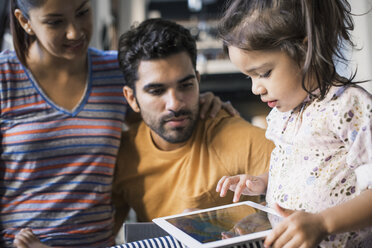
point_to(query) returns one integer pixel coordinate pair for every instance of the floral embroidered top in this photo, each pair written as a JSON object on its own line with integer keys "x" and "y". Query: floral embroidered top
{"x": 323, "y": 155}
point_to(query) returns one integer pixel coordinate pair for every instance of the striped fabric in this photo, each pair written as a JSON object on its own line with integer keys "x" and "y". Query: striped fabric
{"x": 170, "y": 242}
{"x": 161, "y": 242}
{"x": 57, "y": 165}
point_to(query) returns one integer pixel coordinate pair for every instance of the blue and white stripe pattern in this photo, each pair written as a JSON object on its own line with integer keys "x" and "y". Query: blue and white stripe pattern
{"x": 170, "y": 242}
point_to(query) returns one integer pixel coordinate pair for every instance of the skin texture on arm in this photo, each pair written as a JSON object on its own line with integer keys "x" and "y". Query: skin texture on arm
{"x": 301, "y": 229}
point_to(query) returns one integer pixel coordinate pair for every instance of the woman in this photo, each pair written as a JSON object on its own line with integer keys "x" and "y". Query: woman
{"x": 62, "y": 112}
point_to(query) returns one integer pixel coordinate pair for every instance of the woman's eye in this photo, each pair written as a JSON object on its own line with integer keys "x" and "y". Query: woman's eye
{"x": 54, "y": 22}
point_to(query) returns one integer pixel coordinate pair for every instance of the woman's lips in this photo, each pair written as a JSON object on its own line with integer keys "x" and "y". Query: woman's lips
{"x": 75, "y": 45}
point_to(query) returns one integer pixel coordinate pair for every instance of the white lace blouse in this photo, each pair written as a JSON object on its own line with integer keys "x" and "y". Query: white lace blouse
{"x": 323, "y": 155}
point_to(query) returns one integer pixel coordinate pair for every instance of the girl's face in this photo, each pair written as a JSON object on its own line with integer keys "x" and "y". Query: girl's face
{"x": 275, "y": 76}
{"x": 63, "y": 28}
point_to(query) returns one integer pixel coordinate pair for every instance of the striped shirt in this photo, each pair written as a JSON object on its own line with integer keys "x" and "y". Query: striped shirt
{"x": 57, "y": 165}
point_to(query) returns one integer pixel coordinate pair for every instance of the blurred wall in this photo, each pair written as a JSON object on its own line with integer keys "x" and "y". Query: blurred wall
{"x": 363, "y": 38}
{"x": 130, "y": 11}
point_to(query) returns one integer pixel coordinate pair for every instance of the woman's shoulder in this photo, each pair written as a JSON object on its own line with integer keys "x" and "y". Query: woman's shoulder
{"x": 8, "y": 56}
{"x": 103, "y": 60}
{"x": 96, "y": 53}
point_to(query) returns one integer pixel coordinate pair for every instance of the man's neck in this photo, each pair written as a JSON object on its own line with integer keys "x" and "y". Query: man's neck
{"x": 164, "y": 145}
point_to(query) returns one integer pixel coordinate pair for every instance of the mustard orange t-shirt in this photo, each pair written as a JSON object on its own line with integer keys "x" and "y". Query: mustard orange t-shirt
{"x": 158, "y": 183}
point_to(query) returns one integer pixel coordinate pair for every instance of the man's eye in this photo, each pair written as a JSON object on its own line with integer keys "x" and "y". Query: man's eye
{"x": 156, "y": 91}
{"x": 187, "y": 85}
{"x": 266, "y": 74}
{"x": 83, "y": 12}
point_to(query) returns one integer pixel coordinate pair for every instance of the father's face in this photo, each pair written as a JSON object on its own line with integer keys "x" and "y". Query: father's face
{"x": 167, "y": 96}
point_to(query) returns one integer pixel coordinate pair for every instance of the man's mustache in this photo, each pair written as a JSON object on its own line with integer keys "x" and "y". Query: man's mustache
{"x": 175, "y": 114}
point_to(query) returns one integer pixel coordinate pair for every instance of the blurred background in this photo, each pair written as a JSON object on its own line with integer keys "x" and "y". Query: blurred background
{"x": 113, "y": 17}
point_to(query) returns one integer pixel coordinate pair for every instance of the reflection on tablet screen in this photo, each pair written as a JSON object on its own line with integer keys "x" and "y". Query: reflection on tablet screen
{"x": 222, "y": 223}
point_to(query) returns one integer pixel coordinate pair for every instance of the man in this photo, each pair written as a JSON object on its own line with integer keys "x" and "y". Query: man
{"x": 172, "y": 160}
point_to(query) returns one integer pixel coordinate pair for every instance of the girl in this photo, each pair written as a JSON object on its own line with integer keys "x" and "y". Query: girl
{"x": 62, "y": 112}
{"x": 321, "y": 123}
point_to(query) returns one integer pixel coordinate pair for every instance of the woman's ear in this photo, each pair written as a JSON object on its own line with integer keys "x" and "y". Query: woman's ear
{"x": 23, "y": 22}
{"x": 131, "y": 98}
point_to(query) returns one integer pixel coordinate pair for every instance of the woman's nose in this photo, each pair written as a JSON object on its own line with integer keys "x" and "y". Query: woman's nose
{"x": 74, "y": 32}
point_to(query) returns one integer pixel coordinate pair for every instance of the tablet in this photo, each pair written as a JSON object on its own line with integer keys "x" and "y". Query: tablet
{"x": 233, "y": 224}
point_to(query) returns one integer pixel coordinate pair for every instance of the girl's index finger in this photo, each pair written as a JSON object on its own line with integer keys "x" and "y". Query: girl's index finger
{"x": 220, "y": 183}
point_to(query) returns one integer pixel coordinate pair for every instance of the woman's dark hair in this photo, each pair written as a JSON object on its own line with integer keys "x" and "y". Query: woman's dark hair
{"x": 152, "y": 39}
{"x": 21, "y": 40}
{"x": 312, "y": 32}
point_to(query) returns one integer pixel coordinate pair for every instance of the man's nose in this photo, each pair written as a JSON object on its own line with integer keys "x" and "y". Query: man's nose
{"x": 174, "y": 101}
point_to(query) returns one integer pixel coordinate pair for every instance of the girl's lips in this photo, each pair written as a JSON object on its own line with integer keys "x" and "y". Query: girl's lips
{"x": 272, "y": 104}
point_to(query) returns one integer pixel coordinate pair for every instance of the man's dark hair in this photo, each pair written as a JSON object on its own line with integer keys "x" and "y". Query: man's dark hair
{"x": 152, "y": 39}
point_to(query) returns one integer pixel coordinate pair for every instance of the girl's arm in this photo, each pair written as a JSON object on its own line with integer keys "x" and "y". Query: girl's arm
{"x": 352, "y": 215}
{"x": 302, "y": 229}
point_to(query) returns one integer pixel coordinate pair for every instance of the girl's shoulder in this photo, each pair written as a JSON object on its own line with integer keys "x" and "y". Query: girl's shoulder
{"x": 346, "y": 95}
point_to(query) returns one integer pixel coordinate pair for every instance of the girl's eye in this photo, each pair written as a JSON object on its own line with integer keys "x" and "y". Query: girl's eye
{"x": 266, "y": 74}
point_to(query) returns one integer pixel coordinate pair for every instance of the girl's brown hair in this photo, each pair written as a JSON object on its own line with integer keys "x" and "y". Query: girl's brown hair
{"x": 312, "y": 32}
{"x": 22, "y": 40}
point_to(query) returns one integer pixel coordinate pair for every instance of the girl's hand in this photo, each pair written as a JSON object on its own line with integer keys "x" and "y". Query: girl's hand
{"x": 241, "y": 184}
{"x": 213, "y": 104}
{"x": 298, "y": 229}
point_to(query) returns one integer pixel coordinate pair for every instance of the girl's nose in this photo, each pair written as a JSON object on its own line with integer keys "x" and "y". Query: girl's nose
{"x": 258, "y": 88}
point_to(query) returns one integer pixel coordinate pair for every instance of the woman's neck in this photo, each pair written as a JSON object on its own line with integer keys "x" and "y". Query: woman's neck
{"x": 39, "y": 60}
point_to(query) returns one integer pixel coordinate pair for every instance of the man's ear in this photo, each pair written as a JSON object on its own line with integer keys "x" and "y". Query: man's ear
{"x": 23, "y": 22}
{"x": 198, "y": 76}
{"x": 131, "y": 99}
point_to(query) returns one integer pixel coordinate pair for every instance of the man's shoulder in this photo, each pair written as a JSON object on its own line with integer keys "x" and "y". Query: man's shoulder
{"x": 132, "y": 130}
{"x": 225, "y": 123}
{"x": 233, "y": 131}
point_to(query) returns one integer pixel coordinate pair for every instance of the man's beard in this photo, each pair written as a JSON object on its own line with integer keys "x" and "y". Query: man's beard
{"x": 176, "y": 134}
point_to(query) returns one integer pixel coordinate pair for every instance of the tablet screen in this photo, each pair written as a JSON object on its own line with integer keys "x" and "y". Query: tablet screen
{"x": 222, "y": 223}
